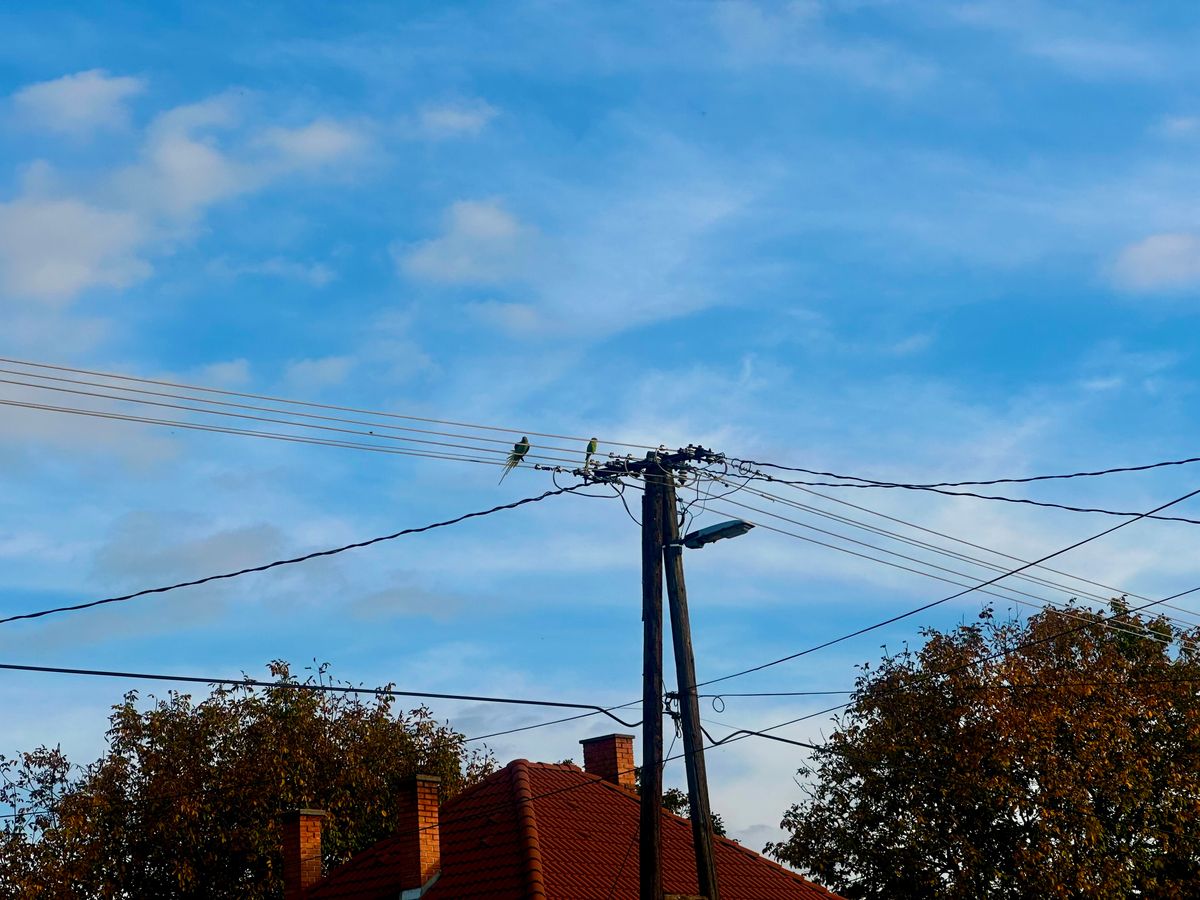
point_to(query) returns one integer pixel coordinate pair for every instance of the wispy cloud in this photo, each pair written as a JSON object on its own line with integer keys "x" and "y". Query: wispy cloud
{"x": 1179, "y": 126}
{"x": 78, "y": 105}
{"x": 482, "y": 243}
{"x": 461, "y": 119}
{"x": 316, "y": 274}
{"x": 1160, "y": 262}
{"x": 52, "y": 249}
{"x": 319, "y": 373}
{"x": 1084, "y": 44}
{"x": 801, "y": 35}
{"x": 55, "y": 244}
{"x": 316, "y": 144}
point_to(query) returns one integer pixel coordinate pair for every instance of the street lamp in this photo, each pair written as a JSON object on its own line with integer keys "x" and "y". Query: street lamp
{"x": 733, "y": 528}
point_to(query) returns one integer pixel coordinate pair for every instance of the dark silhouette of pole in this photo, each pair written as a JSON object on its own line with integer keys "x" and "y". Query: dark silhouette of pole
{"x": 653, "y": 517}
{"x": 689, "y": 706}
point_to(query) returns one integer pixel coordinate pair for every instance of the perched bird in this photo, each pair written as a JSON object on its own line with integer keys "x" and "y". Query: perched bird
{"x": 591, "y": 448}
{"x": 520, "y": 448}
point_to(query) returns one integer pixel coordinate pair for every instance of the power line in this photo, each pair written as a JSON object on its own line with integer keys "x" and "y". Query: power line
{"x": 275, "y": 421}
{"x": 315, "y": 688}
{"x": 312, "y": 405}
{"x": 1009, "y": 597}
{"x": 949, "y": 493}
{"x": 553, "y": 722}
{"x": 966, "y": 543}
{"x": 251, "y": 406}
{"x": 947, "y": 484}
{"x": 268, "y": 435}
{"x": 297, "y": 559}
{"x": 1042, "y": 600}
{"x": 500, "y": 805}
{"x": 877, "y": 548}
{"x": 898, "y": 617}
{"x": 874, "y": 529}
{"x": 1030, "y": 685}
{"x": 1002, "y": 653}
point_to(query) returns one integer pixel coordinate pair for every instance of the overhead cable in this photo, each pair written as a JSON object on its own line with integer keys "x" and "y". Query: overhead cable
{"x": 926, "y": 606}
{"x": 314, "y": 688}
{"x": 1042, "y": 601}
{"x": 947, "y": 484}
{"x": 506, "y": 442}
{"x": 312, "y": 405}
{"x": 863, "y": 483}
{"x": 276, "y": 421}
{"x": 1114, "y": 591}
{"x": 292, "y": 561}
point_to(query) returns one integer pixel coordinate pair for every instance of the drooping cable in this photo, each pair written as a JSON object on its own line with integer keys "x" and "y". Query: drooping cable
{"x": 293, "y": 560}
{"x": 926, "y": 606}
{"x": 314, "y": 688}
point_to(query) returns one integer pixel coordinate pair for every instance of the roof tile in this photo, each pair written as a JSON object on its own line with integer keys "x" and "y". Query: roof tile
{"x": 536, "y": 830}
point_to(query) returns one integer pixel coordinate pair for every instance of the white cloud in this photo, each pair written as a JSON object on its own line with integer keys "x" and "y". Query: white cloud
{"x": 230, "y": 373}
{"x": 317, "y": 373}
{"x": 183, "y": 169}
{"x": 1179, "y": 126}
{"x": 1087, "y": 46}
{"x": 510, "y": 318}
{"x": 795, "y": 35}
{"x": 317, "y": 144}
{"x": 456, "y": 119}
{"x": 1160, "y": 262}
{"x": 51, "y": 250}
{"x": 315, "y": 274}
{"x": 54, "y": 245}
{"x": 607, "y": 260}
{"x": 404, "y": 597}
{"x": 157, "y": 546}
{"x": 42, "y": 333}
{"x": 78, "y": 104}
{"x": 912, "y": 345}
{"x": 482, "y": 244}
{"x": 1092, "y": 57}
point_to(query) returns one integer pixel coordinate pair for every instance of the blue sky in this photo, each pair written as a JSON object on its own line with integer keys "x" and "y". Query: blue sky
{"x": 913, "y": 241}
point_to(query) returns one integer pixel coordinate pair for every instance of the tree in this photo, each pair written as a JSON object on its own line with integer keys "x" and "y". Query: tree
{"x": 188, "y": 800}
{"x": 1054, "y": 758}
{"x": 676, "y": 801}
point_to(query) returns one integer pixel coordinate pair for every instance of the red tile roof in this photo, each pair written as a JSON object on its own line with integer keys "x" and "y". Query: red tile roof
{"x": 553, "y": 832}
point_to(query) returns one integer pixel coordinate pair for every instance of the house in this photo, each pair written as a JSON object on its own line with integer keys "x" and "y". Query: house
{"x": 530, "y": 830}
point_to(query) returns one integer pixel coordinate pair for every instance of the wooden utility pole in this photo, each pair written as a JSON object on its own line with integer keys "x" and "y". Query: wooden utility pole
{"x": 660, "y": 545}
{"x": 653, "y": 518}
{"x": 689, "y": 705}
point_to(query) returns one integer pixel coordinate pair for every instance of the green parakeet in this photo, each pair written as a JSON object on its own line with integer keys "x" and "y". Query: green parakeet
{"x": 591, "y": 448}
{"x": 520, "y": 448}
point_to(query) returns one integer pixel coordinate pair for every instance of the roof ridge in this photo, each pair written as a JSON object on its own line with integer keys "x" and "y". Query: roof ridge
{"x": 529, "y": 842}
{"x": 564, "y": 766}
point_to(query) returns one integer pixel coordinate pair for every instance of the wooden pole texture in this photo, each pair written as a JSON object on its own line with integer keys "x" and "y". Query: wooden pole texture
{"x": 650, "y": 865}
{"x": 689, "y": 706}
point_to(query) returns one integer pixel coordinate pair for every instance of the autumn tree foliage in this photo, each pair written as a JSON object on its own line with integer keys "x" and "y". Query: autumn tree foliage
{"x": 1058, "y": 757}
{"x": 187, "y": 801}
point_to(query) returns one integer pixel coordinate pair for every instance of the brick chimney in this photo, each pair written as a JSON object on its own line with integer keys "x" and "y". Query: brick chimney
{"x": 611, "y": 758}
{"x": 301, "y": 851}
{"x": 417, "y": 833}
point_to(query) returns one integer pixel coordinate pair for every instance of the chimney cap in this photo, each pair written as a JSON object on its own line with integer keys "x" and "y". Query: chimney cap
{"x": 297, "y": 813}
{"x": 605, "y": 737}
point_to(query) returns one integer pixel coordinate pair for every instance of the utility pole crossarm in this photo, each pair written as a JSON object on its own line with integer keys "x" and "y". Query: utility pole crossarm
{"x": 656, "y": 463}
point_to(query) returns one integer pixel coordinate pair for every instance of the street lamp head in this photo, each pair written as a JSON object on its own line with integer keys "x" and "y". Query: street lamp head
{"x": 733, "y": 528}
